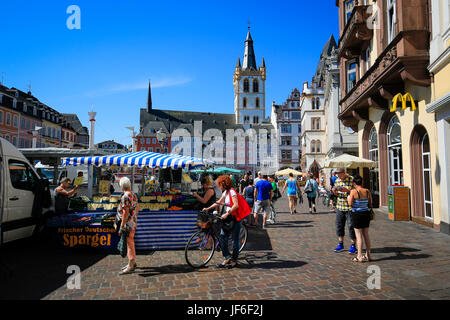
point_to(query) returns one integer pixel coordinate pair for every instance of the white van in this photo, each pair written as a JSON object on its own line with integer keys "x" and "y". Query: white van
{"x": 25, "y": 198}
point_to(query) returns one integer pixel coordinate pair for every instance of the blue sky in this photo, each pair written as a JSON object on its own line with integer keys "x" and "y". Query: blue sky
{"x": 187, "y": 48}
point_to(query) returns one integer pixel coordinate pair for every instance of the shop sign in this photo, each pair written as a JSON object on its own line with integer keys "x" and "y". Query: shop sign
{"x": 93, "y": 237}
{"x": 403, "y": 99}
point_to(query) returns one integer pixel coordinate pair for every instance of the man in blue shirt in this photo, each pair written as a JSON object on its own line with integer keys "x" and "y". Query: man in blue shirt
{"x": 263, "y": 196}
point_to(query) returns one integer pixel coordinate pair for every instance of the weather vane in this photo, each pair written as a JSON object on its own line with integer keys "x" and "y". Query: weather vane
{"x": 248, "y": 22}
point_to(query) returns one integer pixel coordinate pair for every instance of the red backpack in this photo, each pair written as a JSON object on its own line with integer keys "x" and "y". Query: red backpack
{"x": 244, "y": 209}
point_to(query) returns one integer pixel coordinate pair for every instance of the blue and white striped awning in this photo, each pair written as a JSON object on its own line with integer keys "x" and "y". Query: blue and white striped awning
{"x": 140, "y": 159}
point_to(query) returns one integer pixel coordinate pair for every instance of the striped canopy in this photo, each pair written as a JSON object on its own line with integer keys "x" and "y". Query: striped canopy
{"x": 140, "y": 159}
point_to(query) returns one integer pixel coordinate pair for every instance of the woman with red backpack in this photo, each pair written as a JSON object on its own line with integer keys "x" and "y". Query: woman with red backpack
{"x": 232, "y": 216}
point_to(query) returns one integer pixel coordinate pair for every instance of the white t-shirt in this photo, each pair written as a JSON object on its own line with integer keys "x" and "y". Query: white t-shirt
{"x": 227, "y": 199}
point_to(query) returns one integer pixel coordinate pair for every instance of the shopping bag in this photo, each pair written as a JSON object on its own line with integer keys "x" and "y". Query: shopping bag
{"x": 122, "y": 245}
{"x": 243, "y": 210}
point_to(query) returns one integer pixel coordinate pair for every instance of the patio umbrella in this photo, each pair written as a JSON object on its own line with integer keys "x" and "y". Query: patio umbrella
{"x": 349, "y": 161}
{"x": 286, "y": 172}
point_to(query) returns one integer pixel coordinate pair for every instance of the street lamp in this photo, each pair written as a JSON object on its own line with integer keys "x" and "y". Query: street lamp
{"x": 133, "y": 138}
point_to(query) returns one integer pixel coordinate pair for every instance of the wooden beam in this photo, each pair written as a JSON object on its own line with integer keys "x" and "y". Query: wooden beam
{"x": 378, "y": 103}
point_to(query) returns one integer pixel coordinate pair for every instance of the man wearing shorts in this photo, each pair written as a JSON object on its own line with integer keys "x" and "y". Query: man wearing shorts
{"x": 263, "y": 196}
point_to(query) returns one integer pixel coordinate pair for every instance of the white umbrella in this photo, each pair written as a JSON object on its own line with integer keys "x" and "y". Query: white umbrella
{"x": 349, "y": 161}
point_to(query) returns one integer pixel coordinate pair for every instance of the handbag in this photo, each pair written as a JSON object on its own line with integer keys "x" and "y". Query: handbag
{"x": 228, "y": 224}
{"x": 243, "y": 210}
{"x": 372, "y": 214}
{"x": 309, "y": 187}
{"x": 122, "y": 245}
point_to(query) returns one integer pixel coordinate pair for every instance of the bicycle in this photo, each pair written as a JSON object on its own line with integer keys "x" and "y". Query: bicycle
{"x": 201, "y": 246}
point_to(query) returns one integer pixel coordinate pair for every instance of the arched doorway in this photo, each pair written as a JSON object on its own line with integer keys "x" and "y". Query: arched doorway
{"x": 421, "y": 184}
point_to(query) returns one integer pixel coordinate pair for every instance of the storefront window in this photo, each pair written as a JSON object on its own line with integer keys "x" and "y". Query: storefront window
{"x": 395, "y": 152}
{"x": 374, "y": 172}
{"x": 426, "y": 169}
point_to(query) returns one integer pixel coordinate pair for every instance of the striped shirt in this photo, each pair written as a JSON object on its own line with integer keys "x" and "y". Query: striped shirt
{"x": 360, "y": 205}
{"x": 342, "y": 203}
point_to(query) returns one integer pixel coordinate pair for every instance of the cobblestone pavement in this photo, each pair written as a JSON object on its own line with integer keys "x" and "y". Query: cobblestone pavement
{"x": 293, "y": 259}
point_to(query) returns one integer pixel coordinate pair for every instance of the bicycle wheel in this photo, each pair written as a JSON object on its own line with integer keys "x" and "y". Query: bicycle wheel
{"x": 243, "y": 235}
{"x": 200, "y": 249}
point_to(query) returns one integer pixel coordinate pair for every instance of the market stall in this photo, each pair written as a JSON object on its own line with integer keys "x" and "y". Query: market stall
{"x": 167, "y": 210}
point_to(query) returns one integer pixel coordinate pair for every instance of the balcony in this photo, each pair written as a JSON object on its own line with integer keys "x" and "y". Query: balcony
{"x": 405, "y": 59}
{"x": 355, "y": 33}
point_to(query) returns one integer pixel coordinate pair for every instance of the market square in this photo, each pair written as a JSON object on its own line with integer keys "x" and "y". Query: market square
{"x": 259, "y": 154}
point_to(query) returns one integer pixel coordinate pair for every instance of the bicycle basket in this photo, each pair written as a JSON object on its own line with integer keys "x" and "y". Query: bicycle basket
{"x": 203, "y": 220}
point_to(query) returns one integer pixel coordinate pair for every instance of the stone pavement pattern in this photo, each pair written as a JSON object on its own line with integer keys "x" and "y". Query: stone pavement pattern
{"x": 293, "y": 259}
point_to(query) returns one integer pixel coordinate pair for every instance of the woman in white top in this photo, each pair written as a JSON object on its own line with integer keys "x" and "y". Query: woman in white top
{"x": 230, "y": 207}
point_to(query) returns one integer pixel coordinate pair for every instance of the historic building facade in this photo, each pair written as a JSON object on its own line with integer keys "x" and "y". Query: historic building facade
{"x": 385, "y": 88}
{"x": 199, "y": 133}
{"x": 286, "y": 118}
{"x": 21, "y": 113}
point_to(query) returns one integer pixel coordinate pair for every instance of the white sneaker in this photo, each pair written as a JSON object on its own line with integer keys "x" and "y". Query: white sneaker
{"x": 270, "y": 221}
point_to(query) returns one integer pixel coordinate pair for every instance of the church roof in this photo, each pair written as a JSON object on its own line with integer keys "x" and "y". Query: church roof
{"x": 326, "y": 51}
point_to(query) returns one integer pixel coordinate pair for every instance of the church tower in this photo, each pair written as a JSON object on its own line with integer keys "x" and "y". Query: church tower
{"x": 249, "y": 87}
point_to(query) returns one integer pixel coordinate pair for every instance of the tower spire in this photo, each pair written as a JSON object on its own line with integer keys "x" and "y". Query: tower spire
{"x": 149, "y": 97}
{"x": 249, "y": 54}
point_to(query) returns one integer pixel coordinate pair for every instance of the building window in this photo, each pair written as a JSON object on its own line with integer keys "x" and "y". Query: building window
{"x": 348, "y": 10}
{"x": 395, "y": 160}
{"x": 15, "y": 121}
{"x": 255, "y": 119}
{"x": 255, "y": 85}
{"x": 14, "y": 141}
{"x": 367, "y": 57}
{"x": 286, "y": 115}
{"x": 286, "y": 155}
{"x": 426, "y": 169}
{"x": 8, "y": 119}
{"x": 315, "y": 123}
{"x": 22, "y": 124}
{"x": 246, "y": 119}
{"x": 313, "y": 104}
{"x": 1, "y": 117}
{"x": 286, "y": 141}
{"x": 257, "y": 102}
{"x": 246, "y": 85}
{"x": 244, "y": 102}
{"x": 313, "y": 146}
{"x": 34, "y": 111}
{"x": 317, "y": 103}
{"x": 150, "y": 149}
{"x": 25, "y": 107}
{"x": 391, "y": 19}
{"x": 286, "y": 128}
{"x": 295, "y": 115}
{"x": 148, "y": 140}
{"x": 15, "y": 103}
{"x": 351, "y": 75}
{"x": 154, "y": 140}
{"x": 318, "y": 146}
